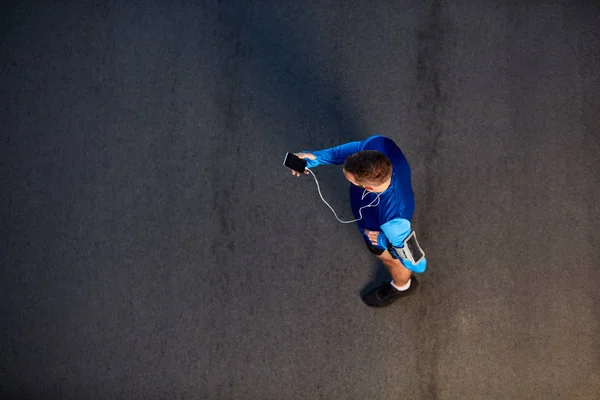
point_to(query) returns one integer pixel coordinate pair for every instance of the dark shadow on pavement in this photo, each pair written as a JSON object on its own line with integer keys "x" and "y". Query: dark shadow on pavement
{"x": 380, "y": 275}
{"x": 302, "y": 73}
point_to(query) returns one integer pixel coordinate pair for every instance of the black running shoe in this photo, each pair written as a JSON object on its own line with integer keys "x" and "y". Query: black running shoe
{"x": 386, "y": 294}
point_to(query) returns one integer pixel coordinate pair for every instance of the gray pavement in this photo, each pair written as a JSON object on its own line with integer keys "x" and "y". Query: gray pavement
{"x": 153, "y": 247}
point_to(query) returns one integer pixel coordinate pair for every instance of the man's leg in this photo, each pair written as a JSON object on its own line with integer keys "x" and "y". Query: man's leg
{"x": 399, "y": 272}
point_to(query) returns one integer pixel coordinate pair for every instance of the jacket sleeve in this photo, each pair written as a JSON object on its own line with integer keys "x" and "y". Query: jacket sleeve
{"x": 394, "y": 233}
{"x": 334, "y": 155}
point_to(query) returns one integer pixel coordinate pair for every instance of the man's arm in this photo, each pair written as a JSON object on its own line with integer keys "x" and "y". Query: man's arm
{"x": 394, "y": 233}
{"x": 335, "y": 155}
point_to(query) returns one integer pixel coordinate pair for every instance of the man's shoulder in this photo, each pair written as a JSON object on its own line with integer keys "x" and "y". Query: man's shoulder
{"x": 382, "y": 144}
{"x": 376, "y": 141}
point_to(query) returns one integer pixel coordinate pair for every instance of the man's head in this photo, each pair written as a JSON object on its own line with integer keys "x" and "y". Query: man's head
{"x": 368, "y": 168}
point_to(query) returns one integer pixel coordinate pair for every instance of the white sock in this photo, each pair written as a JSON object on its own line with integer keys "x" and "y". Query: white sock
{"x": 401, "y": 288}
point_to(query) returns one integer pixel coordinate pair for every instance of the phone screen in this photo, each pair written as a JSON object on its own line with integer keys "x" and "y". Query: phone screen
{"x": 295, "y": 163}
{"x": 415, "y": 249}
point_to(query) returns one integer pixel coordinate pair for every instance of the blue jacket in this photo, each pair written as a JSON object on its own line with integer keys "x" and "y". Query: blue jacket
{"x": 396, "y": 204}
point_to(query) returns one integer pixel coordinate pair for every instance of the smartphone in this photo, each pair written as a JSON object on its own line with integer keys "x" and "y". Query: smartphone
{"x": 295, "y": 163}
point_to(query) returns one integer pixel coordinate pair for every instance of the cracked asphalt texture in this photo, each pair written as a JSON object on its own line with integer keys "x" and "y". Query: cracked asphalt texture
{"x": 153, "y": 246}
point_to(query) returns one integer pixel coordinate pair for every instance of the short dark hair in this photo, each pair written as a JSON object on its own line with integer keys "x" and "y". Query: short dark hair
{"x": 369, "y": 166}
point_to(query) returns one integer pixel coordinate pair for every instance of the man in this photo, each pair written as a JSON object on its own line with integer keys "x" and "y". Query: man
{"x": 377, "y": 167}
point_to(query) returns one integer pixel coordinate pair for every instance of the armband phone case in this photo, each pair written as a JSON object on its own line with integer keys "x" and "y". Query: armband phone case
{"x": 411, "y": 251}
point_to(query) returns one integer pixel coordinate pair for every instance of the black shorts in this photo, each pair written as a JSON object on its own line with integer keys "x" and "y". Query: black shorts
{"x": 375, "y": 250}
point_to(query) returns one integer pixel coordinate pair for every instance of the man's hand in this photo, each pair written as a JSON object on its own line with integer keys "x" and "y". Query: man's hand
{"x": 303, "y": 155}
{"x": 372, "y": 235}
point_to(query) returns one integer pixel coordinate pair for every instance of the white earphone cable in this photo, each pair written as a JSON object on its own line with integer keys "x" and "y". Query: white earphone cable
{"x": 365, "y": 193}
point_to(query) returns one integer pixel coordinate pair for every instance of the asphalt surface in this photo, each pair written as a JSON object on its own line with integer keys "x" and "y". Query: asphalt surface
{"x": 154, "y": 247}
